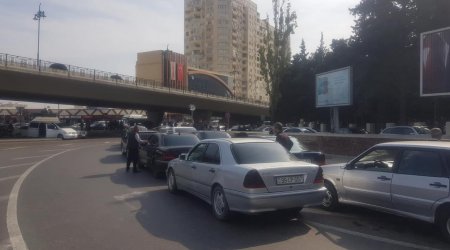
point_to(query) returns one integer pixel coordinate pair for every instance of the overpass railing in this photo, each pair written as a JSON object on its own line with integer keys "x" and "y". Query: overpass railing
{"x": 98, "y": 76}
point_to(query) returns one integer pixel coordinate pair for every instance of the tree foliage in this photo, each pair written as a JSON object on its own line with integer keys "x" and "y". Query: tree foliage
{"x": 384, "y": 54}
{"x": 275, "y": 55}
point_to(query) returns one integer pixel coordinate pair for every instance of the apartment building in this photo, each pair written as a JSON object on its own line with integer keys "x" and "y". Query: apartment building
{"x": 225, "y": 36}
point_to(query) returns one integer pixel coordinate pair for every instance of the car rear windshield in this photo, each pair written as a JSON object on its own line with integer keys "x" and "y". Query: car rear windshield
{"x": 259, "y": 152}
{"x": 214, "y": 135}
{"x": 180, "y": 140}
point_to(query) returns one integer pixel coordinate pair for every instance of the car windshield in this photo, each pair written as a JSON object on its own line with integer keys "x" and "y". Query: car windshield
{"x": 180, "y": 140}
{"x": 259, "y": 152}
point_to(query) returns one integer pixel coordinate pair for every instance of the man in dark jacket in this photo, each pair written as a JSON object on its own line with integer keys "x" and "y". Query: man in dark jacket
{"x": 282, "y": 138}
{"x": 133, "y": 148}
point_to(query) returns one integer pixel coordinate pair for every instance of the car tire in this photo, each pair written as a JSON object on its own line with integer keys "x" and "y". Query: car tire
{"x": 172, "y": 182}
{"x": 330, "y": 202}
{"x": 444, "y": 224}
{"x": 60, "y": 136}
{"x": 219, "y": 204}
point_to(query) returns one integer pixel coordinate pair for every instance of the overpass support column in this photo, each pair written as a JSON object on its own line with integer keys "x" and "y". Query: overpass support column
{"x": 155, "y": 117}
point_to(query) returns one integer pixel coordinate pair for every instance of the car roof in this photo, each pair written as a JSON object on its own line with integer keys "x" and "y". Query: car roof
{"x": 421, "y": 144}
{"x": 240, "y": 140}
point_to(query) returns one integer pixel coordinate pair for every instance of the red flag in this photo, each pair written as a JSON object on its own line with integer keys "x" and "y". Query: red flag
{"x": 180, "y": 72}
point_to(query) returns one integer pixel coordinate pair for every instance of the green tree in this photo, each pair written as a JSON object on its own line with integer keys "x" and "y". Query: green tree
{"x": 275, "y": 55}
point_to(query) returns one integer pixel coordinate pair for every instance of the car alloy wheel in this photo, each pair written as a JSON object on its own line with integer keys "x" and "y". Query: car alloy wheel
{"x": 220, "y": 204}
{"x": 330, "y": 201}
{"x": 171, "y": 182}
{"x": 444, "y": 223}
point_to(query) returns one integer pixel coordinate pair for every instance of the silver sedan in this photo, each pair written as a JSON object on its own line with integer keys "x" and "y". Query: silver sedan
{"x": 246, "y": 175}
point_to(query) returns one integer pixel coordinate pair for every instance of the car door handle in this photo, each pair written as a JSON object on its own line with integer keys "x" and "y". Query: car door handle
{"x": 194, "y": 167}
{"x": 438, "y": 185}
{"x": 383, "y": 178}
{"x": 212, "y": 170}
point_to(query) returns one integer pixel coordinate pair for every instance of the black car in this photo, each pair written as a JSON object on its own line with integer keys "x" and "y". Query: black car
{"x": 162, "y": 148}
{"x": 301, "y": 152}
{"x": 203, "y": 135}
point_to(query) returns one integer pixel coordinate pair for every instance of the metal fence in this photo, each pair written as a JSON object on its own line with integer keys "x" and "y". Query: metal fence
{"x": 58, "y": 69}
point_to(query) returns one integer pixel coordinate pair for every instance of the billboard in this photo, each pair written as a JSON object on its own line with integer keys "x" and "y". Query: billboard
{"x": 435, "y": 62}
{"x": 334, "y": 88}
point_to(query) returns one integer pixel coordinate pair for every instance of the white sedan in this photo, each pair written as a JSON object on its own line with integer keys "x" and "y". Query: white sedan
{"x": 246, "y": 175}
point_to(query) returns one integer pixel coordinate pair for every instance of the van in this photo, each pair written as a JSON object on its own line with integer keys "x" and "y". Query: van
{"x": 47, "y": 127}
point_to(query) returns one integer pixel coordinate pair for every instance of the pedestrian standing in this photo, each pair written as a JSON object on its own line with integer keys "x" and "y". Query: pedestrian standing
{"x": 133, "y": 148}
{"x": 282, "y": 138}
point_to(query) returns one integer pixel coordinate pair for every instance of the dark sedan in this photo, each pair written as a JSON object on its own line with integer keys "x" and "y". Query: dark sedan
{"x": 162, "y": 148}
{"x": 302, "y": 153}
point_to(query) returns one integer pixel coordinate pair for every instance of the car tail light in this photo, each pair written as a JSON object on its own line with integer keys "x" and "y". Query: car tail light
{"x": 167, "y": 156}
{"x": 253, "y": 180}
{"x": 319, "y": 177}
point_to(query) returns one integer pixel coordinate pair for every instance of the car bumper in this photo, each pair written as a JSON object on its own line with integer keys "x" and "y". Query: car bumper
{"x": 256, "y": 203}
{"x": 70, "y": 136}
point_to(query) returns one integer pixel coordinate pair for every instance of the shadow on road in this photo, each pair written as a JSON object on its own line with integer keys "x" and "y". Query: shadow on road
{"x": 113, "y": 159}
{"x": 378, "y": 224}
{"x": 188, "y": 221}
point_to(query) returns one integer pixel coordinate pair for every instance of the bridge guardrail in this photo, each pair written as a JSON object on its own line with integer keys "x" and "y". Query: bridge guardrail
{"x": 70, "y": 71}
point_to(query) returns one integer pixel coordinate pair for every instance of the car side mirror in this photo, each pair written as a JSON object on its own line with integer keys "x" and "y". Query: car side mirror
{"x": 348, "y": 166}
{"x": 183, "y": 157}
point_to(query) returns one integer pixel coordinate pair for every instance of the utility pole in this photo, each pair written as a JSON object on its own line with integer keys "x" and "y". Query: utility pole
{"x": 37, "y": 17}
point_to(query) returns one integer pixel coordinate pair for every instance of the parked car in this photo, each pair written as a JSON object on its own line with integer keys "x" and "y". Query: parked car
{"x": 301, "y": 151}
{"x": 98, "y": 125}
{"x": 410, "y": 179}
{"x": 163, "y": 148}
{"x": 299, "y": 130}
{"x": 144, "y": 134}
{"x": 191, "y": 130}
{"x": 249, "y": 175}
{"x": 241, "y": 128}
{"x": 202, "y": 135}
{"x": 48, "y": 127}
{"x": 407, "y": 130}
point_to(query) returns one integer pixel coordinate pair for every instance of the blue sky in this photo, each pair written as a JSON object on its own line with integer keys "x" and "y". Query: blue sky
{"x": 107, "y": 34}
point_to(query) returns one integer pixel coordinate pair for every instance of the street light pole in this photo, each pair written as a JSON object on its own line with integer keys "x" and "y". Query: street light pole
{"x": 37, "y": 17}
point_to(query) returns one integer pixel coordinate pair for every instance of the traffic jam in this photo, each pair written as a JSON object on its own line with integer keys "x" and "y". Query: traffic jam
{"x": 254, "y": 173}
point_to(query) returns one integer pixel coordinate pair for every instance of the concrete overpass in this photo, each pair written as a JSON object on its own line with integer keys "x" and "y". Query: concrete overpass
{"x": 22, "y": 79}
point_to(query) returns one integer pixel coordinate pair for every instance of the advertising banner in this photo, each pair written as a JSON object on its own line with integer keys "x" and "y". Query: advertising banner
{"x": 334, "y": 88}
{"x": 435, "y": 63}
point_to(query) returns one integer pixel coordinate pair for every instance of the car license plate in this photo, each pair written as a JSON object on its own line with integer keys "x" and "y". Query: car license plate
{"x": 293, "y": 179}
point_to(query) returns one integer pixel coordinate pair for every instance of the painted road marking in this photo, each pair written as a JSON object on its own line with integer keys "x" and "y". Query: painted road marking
{"x": 50, "y": 150}
{"x": 17, "y": 165}
{"x": 371, "y": 237}
{"x": 12, "y": 148}
{"x": 29, "y": 157}
{"x": 9, "y": 178}
{"x": 12, "y": 222}
{"x": 68, "y": 144}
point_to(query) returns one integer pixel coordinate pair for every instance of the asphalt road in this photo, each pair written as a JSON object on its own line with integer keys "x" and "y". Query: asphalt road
{"x": 77, "y": 195}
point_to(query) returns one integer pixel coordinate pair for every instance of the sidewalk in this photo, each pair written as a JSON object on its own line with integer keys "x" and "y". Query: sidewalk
{"x": 4, "y": 140}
